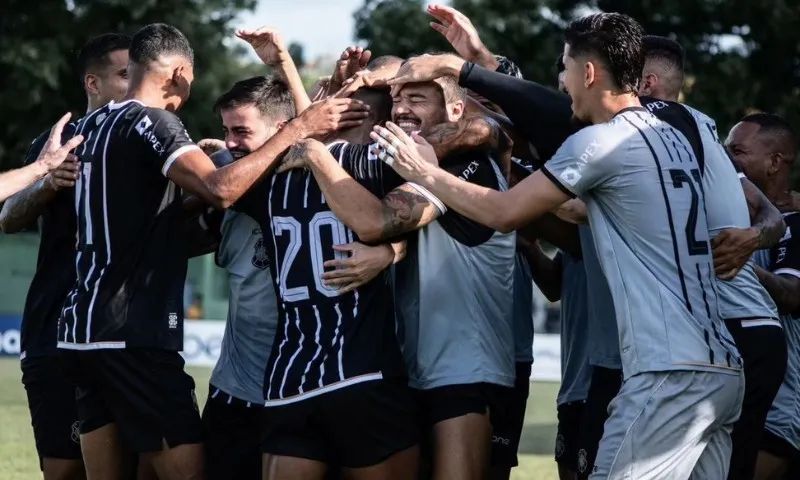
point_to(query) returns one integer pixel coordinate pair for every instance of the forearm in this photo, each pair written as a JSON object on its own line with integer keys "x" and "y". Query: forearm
{"x": 23, "y": 209}
{"x": 542, "y": 115}
{"x": 226, "y": 185}
{"x": 573, "y": 211}
{"x": 557, "y": 232}
{"x": 14, "y": 181}
{"x": 767, "y": 220}
{"x": 353, "y": 204}
{"x": 287, "y": 70}
{"x": 784, "y": 290}
{"x": 546, "y": 272}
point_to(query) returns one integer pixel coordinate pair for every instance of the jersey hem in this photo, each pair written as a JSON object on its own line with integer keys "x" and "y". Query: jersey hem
{"x": 783, "y": 436}
{"x": 690, "y": 367}
{"x": 572, "y": 397}
{"x": 429, "y": 384}
{"x": 236, "y": 392}
{"x": 370, "y": 377}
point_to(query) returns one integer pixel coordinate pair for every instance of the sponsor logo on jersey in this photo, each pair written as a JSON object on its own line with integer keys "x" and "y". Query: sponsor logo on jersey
{"x": 173, "y": 321}
{"x": 559, "y": 445}
{"x": 145, "y": 129}
{"x": 471, "y": 168}
{"x": 570, "y": 176}
{"x": 583, "y": 461}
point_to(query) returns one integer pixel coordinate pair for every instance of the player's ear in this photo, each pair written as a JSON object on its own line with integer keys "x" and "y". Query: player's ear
{"x": 91, "y": 83}
{"x": 455, "y": 111}
{"x": 647, "y": 83}
{"x": 589, "y": 73}
{"x": 281, "y": 124}
{"x": 775, "y": 161}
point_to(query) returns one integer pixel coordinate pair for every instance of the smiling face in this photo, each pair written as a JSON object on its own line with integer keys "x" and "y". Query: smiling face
{"x": 245, "y": 129}
{"x": 419, "y": 106}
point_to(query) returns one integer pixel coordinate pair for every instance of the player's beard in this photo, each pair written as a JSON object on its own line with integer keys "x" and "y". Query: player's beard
{"x": 408, "y": 128}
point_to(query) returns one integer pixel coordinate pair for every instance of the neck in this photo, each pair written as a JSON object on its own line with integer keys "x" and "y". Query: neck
{"x": 357, "y": 135}
{"x": 777, "y": 191}
{"x": 92, "y": 104}
{"x": 611, "y": 104}
{"x": 150, "y": 96}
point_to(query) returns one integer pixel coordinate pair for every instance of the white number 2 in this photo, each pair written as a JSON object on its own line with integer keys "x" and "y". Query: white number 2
{"x": 290, "y": 225}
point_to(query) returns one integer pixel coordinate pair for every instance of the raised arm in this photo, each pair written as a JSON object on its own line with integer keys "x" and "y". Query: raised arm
{"x": 271, "y": 49}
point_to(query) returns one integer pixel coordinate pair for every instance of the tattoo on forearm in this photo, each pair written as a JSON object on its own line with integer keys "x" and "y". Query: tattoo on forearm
{"x": 782, "y": 290}
{"x": 402, "y": 212}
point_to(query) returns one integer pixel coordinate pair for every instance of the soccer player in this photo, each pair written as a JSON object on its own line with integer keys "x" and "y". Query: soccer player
{"x": 564, "y": 278}
{"x": 102, "y": 65}
{"x": 765, "y": 146}
{"x": 458, "y": 378}
{"x": 679, "y": 356}
{"x": 252, "y": 111}
{"x": 662, "y": 75}
{"x": 122, "y": 322}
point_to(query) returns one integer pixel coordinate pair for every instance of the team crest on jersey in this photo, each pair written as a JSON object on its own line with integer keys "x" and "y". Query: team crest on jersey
{"x": 75, "y": 433}
{"x": 100, "y": 119}
{"x": 173, "y": 321}
{"x": 559, "y": 445}
{"x": 260, "y": 258}
{"x": 582, "y": 460}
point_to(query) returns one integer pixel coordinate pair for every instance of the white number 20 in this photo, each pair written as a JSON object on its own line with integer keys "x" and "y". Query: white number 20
{"x": 290, "y": 226}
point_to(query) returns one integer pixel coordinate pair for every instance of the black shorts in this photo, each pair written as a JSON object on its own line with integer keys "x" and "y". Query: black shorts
{"x": 604, "y": 386}
{"x": 232, "y": 431}
{"x": 354, "y": 427}
{"x": 453, "y": 401}
{"x": 508, "y": 417}
{"x": 54, "y": 414}
{"x": 763, "y": 349}
{"x": 145, "y": 392}
{"x": 779, "y": 447}
{"x": 568, "y": 435}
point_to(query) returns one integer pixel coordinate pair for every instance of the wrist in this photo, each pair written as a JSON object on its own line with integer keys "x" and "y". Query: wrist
{"x": 453, "y": 65}
{"x": 758, "y": 238}
{"x": 391, "y": 257}
{"x": 486, "y": 60}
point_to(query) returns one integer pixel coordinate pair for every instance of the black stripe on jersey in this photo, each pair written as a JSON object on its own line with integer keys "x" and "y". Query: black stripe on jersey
{"x": 707, "y": 338}
{"x": 702, "y": 287}
{"x": 669, "y": 213}
{"x": 721, "y": 342}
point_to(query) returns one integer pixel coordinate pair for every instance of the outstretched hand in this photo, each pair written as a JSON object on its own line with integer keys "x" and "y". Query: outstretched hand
{"x": 462, "y": 35}
{"x": 267, "y": 43}
{"x": 53, "y": 153}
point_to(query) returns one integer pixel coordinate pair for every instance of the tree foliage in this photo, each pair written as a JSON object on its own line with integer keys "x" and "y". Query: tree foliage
{"x": 39, "y": 41}
{"x": 724, "y": 82}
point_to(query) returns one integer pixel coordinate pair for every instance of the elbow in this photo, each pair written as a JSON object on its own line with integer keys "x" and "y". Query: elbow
{"x": 504, "y": 223}
{"x": 8, "y": 225}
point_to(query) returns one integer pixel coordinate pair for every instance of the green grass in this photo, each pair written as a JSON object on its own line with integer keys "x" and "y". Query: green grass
{"x": 18, "y": 459}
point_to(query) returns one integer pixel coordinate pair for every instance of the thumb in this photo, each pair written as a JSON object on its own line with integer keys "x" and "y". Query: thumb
{"x": 72, "y": 143}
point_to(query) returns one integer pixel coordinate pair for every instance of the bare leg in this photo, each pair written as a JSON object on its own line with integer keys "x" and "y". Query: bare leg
{"x": 63, "y": 469}
{"x": 402, "y": 465}
{"x": 462, "y": 447}
{"x": 103, "y": 455}
{"x": 276, "y": 467}
{"x": 184, "y": 462}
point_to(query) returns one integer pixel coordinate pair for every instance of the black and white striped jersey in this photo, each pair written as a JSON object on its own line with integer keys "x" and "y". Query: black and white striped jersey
{"x": 130, "y": 259}
{"x": 324, "y": 341}
{"x": 55, "y": 266}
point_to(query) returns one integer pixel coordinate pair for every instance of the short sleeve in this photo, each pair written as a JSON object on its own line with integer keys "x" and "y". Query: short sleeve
{"x": 255, "y": 202}
{"x": 785, "y": 256}
{"x": 480, "y": 171}
{"x": 587, "y": 160}
{"x": 165, "y": 137}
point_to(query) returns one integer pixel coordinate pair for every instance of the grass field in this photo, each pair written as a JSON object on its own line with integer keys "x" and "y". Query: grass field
{"x": 18, "y": 459}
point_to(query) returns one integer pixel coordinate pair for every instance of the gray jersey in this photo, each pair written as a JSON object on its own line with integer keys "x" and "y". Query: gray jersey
{"x": 455, "y": 297}
{"x": 575, "y": 370}
{"x": 523, "y": 311}
{"x": 743, "y": 297}
{"x": 602, "y": 328}
{"x": 641, "y": 184}
{"x": 252, "y": 310}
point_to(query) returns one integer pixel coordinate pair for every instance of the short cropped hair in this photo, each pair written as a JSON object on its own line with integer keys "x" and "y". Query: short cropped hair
{"x": 270, "y": 95}
{"x": 156, "y": 40}
{"x": 616, "y": 39}
{"x": 777, "y": 127}
{"x": 664, "y": 49}
{"x": 93, "y": 56}
{"x": 453, "y": 92}
{"x": 382, "y": 61}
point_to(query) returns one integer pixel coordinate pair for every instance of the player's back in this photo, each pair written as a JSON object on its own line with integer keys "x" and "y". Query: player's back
{"x": 642, "y": 185}
{"x": 131, "y": 264}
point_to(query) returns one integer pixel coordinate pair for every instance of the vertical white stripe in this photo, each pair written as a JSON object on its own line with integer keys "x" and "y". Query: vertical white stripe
{"x": 341, "y": 341}
{"x": 305, "y": 196}
{"x": 296, "y": 353}
{"x": 286, "y": 188}
{"x": 87, "y": 210}
{"x": 280, "y": 351}
{"x": 319, "y": 349}
{"x": 107, "y": 261}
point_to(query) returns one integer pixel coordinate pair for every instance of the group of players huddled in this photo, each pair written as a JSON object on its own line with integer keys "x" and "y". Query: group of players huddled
{"x": 380, "y": 235}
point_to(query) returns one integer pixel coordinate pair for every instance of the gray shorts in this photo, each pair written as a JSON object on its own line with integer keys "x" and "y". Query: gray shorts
{"x": 671, "y": 425}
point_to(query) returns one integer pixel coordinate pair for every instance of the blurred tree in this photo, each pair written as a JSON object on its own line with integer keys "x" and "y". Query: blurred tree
{"x": 742, "y": 55}
{"x": 39, "y": 41}
{"x": 298, "y": 55}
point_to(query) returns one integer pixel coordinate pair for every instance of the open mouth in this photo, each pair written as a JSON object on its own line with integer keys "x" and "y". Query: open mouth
{"x": 408, "y": 124}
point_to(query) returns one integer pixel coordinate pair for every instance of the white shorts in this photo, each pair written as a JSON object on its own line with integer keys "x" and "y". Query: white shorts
{"x": 671, "y": 425}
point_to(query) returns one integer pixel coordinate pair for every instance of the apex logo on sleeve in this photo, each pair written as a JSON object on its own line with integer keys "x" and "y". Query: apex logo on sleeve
{"x": 145, "y": 129}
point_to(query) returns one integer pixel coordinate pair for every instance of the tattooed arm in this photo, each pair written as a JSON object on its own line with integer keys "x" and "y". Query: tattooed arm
{"x": 784, "y": 290}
